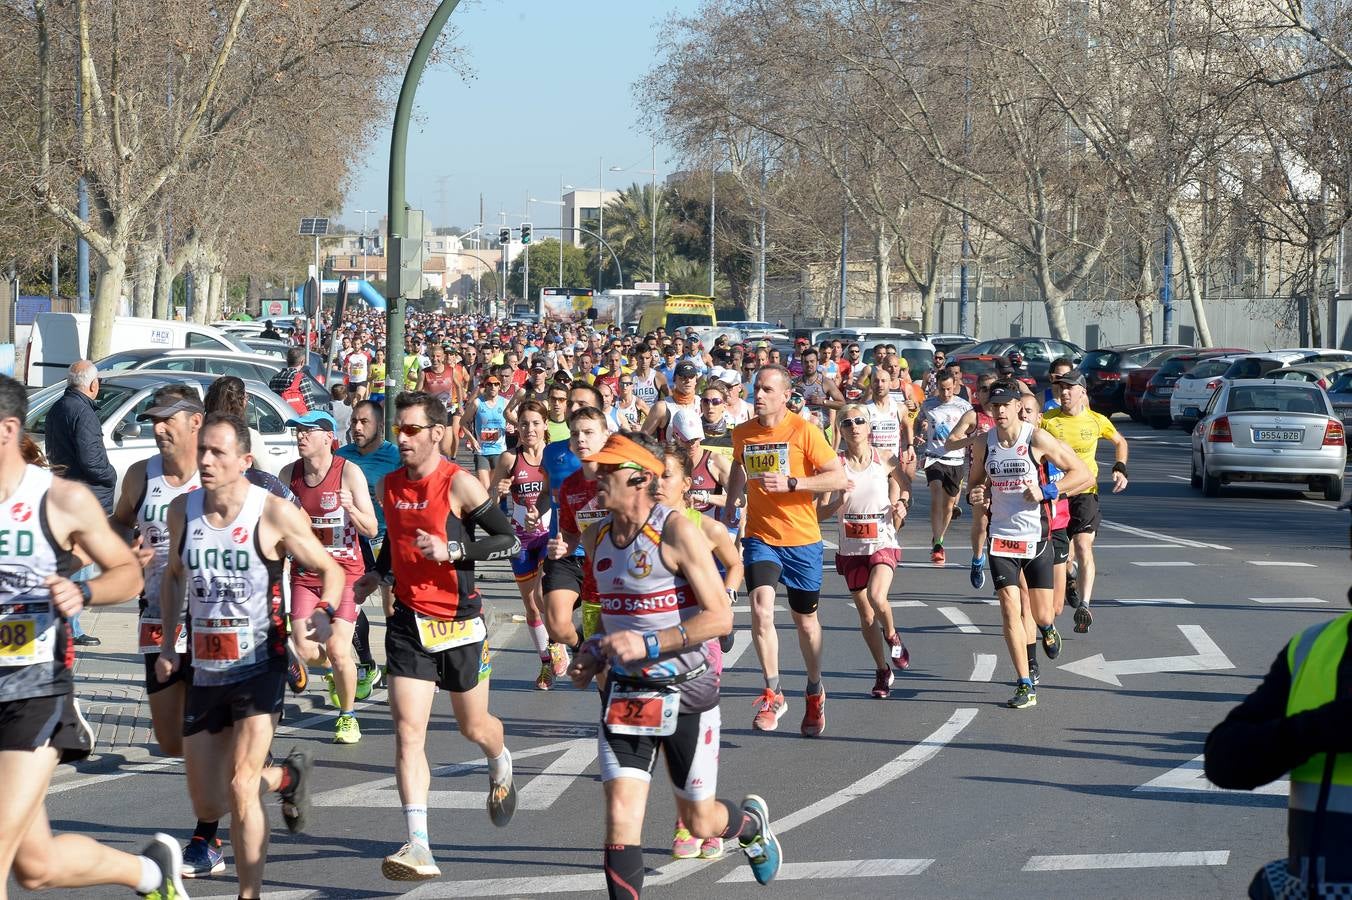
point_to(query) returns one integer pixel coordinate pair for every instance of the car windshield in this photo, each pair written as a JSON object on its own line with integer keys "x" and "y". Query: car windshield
{"x": 1342, "y": 384}
{"x": 1099, "y": 359}
{"x": 110, "y": 399}
{"x": 120, "y": 362}
{"x": 1177, "y": 365}
{"x": 683, "y": 321}
{"x": 973, "y": 366}
{"x": 1208, "y": 369}
{"x": 1289, "y": 398}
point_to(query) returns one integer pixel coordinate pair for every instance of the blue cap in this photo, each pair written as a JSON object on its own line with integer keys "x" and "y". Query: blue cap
{"x": 315, "y": 418}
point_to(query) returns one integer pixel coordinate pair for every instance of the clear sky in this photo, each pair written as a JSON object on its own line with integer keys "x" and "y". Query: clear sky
{"x": 549, "y": 96}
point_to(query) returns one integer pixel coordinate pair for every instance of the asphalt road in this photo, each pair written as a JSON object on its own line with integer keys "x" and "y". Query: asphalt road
{"x": 938, "y": 791}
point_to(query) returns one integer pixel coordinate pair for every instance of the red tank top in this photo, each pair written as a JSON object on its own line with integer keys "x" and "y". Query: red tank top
{"x": 331, "y": 523}
{"x": 442, "y": 386}
{"x": 437, "y": 589}
{"x": 702, "y": 479}
{"x": 528, "y": 480}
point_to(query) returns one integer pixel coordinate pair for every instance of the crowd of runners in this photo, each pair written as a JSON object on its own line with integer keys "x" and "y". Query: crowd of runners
{"x": 636, "y": 484}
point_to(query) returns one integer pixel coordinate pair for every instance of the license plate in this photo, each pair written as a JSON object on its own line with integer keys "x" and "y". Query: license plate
{"x": 1274, "y": 435}
{"x": 1164, "y": 391}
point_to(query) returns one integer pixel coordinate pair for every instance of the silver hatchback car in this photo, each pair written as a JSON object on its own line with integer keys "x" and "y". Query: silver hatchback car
{"x": 1265, "y": 429}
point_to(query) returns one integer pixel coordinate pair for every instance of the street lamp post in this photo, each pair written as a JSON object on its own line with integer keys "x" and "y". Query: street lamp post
{"x": 361, "y": 244}
{"x": 560, "y": 204}
{"x": 652, "y": 205}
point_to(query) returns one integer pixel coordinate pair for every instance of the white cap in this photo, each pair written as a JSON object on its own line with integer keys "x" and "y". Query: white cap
{"x": 685, "y": 422}
{"x": 730, "y": 377}
{"x": 718, "y": 373}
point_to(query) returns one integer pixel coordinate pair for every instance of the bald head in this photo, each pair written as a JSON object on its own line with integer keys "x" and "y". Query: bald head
{"x": 84, "y": 377}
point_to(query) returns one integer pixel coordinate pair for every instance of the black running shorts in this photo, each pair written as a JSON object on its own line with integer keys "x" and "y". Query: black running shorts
{"x": 1084, "y": 514}
{"x": 949, "y": 477}
{"x": 46, "y": 721}
{"x": 182, "y": 674}
{"x": 215, "y": 707}
{"x": 457, "y": 670}
{"x": 563, "y": 574}
{"x": 1037, "y": 570}
{"x": 1060, "y": 547}
{"x": 691, "y": 752}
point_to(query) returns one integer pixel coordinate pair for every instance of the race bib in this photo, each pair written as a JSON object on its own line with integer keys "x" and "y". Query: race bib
{"x": 640, "y": 711}
{"x": 27, "y": 633}
{"x": 329, "y": 529}
{"x": 588, "y": 516}
{"x": 862, "y": 526}
{"x": 221, "y": 644}
{"x": 489, "y": 435}
{"x": 1012, "y": 548}
{"x": 764, "y": 459}
{"x": 447, "y": 634}
{"x": 152, "y": 630}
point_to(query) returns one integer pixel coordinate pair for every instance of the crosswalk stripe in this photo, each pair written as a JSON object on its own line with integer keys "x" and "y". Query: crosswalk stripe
{"x": 846, "y": 868}
{"x": 1085, "y": 861}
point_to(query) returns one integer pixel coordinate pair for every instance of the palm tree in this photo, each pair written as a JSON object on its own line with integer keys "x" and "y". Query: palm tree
{"x": 629, "y": 230}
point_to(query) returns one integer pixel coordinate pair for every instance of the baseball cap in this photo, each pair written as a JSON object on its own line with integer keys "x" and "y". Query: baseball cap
{"x": 686, "y": 423}
{"x": 731, "y": 377}
{"x": 686, "y": 370}
{"x": 168, "y": 409}
{"x": 315, "y": 418}
{"x": 619, "y": 450}
{"x": 1003, "y": 395}
{"x": 1071, "y": 377}
{"x": 718, "y": 373}
{"x": 902, "y": 363}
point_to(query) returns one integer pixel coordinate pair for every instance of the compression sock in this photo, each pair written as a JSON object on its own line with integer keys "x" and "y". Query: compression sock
{"x": 540, "y": 637}
{"x": 813, "y": 687}
{"x": 740, "y": 825}
{"x": 206, "y": 830}
{"x": 416, "y": 817}
{"x": 1032, "y": 653}
{"x": 500, "y": 767}
{"x": 773, "y": 683}
{"x": 624, "y": 871}
{"x": 361, "y": 639}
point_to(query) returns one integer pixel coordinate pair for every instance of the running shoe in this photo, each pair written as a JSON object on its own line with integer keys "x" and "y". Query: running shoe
{"x": 545, "y": 680}
{"x": 978, "y": 572}
{"x": 1051, "y": 642}
{"x": 1072, "y": 592}
{"x": 937, "y": 555}
{"x": 1024, "y": 697}
{"x": 762, "y": 851}
{"x": 814, "y": 716}
{"x": 1083, "y": 619}
{"x": 684, "y": 845}
{"x": 882, "y": 683}
{"x": 957, "y": 511}
{"x": 501, "y": 802}
{"x": 333, "y": 690}
{"x": 346, "y": 730}
{"x": 164, "y": 852}
{"x": 901, "y": 657}
{"x": 770, "y": 708}
{"x": 368, "y": 679}
{"x": 296, "y": 797}
{"x": 296, "y": 676}
{"x": 558, "y": 655}
{"x": 711, "y": 848}
{"x": 202, "y": 858}
{"x": 413, "y": 862}
{"x": 1034, "y": 673}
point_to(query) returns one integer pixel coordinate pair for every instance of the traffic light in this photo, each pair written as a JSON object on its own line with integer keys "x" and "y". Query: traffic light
{"x": 525, "y": 232}
{"x": 505, "y": 236}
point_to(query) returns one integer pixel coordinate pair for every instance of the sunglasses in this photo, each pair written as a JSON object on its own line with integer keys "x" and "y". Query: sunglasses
{"x": 301, "y": 432}
{"x": 554, "y": 398}
{"x": 855, "y": 422}
{"x": 494, "y": 383}
{"x": 609, "y": 468}
{"x": 409, "y": 430}
{"x": 712, "y": 401}
{"x": 626, "y": 384}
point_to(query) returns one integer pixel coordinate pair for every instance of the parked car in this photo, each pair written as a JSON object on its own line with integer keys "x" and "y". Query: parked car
{"x": 241, "y": 365}
{"x": 1320, "y": 373}
{"x": 753, "y": 329}
{"x": 949, "y": 342}
{"x": 1264, "y": 429}
{"x": 1196, "y": 387}
{"x": 1038, "y": 352}
{"x": 1154, "y": 406}
{"x": 973, "y": 365}
{"x": 1106, "y": 371}
{"x": 276, "y": 350}
{"x": 124, "y": 395}
{"x": 1137, "y": 379}
{"x": 1340, "y": 395}
{"x": 917, "y": 351}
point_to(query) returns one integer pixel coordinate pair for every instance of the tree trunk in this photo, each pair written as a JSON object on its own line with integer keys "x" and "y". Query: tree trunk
{"x": 882, "y": 272}
{"x": 112, "y": 272}
{"x": 164, "y": 287}
{"x": 1145, "y": 291}
{"x": 1313, "y": 306}
{"x": 974, "y": 300}
{"x": 143, "y": 287}
{"x": 201, "y": 287}
{"x": 1191, "y": 279}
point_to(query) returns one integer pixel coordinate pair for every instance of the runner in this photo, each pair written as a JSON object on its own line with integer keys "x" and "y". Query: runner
{"x": 709, "y": 469}
{"x": 1081, "y": 428}
{"x": 820, "y": 395}
{"x": 376, "y": 457}
{"x": 357, "y": 368}
{"x": 779, "y": 462}
{"x": 1048, "y": 473}
{"x": 44, "y": 519}
{"x": 1060, "y": 366}
{"x": 628, "y": 410}
{"x": 661, "y": 601}
{"x": 650, "y": 385}
{"x": 337, "y": 499}
{"x": 889, "y": 429}
{"x": 870, "y": 510}
{"x": 1005, "y": 477}
{"x": 683, "y": 396}
{"x": 229, "y": 541}
{"x": 578, "y": 509}
{"x": 519, "y": 475}
{"x": 437, "y": 637}
{"x": 943, "y": 467}
{"x": 971, "y": 428}
{"x": 487, "y": 431}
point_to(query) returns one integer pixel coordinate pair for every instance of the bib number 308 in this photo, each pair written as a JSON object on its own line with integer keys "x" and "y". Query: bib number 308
{"x": 1012, "y": 548}
{"x": 642, "y": 712}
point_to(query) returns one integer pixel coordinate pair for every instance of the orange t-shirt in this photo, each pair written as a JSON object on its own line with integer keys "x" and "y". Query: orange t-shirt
{"x": 796, "y": 448}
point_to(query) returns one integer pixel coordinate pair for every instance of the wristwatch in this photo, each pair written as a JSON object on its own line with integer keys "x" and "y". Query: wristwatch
{"x": 85, "y": 591}
{"x": 793, "y": 483}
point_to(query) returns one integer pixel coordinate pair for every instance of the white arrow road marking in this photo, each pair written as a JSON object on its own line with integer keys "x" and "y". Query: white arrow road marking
{"x": 741, "y": 639}
{"x": 1208, "y": 657}
{"x": 595, "y": 882}
{"x": 1081, "y": 862}
{"x": 1192, "y": 777}
{"x": 539, "y": 793}
{"x": 959, "y": 619}
{"x": 846, "y": 868}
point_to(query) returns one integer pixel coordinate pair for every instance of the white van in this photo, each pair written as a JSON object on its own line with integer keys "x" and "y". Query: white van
{"x": 58, "y": 339}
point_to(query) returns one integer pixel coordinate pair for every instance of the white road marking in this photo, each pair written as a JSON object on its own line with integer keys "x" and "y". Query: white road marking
{"x": 1179, "y": 477}
{"x": 1191, "y": 777}
{"x": 1157, "y": 601}
{"x": 846, "y": 868}
{"x": 1145, "y": 533}
{"x": 747, "y": 609}
{"x": 830, "y": 544}
{"x": 741, "y": 639}
{"x": 896, "y": 604}
{"x": 1281, "y": 563}
{"x": 1160, "y": 564}
{"x": 1081, "y": 862}
{"x": 267, "y": 895}
{"x": 984, "y": 667}
{"x": 1273, "y": 600}
{"x": 1098, "y": 546}
{"x": 594, "y": 882}
{"x": 1331, "y": 507}
{"x": 1208, "y": 657}
{"x": 959, "y": 619}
